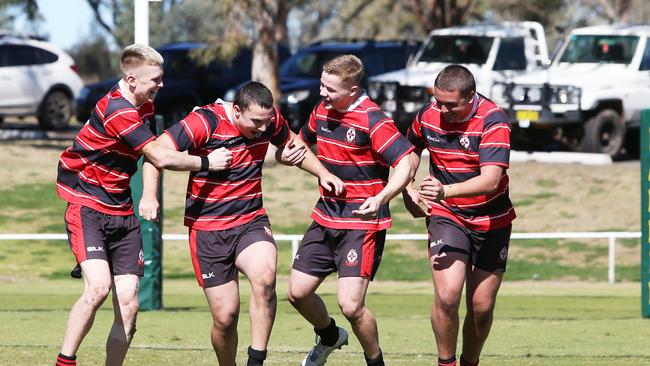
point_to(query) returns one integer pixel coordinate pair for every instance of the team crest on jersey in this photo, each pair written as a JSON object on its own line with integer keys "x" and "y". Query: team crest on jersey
{"x": 141, "y": 258}
{"x": 350, "y": 135}
{"x": 464, "y": 142}
{"x": 351, "y": 258}
{"x": 268, "y": 231}
{"x": 503, "y": 255}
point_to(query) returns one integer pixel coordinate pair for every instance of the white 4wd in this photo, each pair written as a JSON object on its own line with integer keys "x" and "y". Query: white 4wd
{"x": 493, "y": 53}
{"x": 37, "y": 79}
{"x": 591, "y": 94}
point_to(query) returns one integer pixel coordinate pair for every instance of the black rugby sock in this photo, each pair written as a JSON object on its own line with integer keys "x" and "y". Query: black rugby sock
{"x": 255, "y": 357}
{"x": 63, "y": 360}
{"x": 451, "y": 361}
{"x": 377, "y": 361}
{"x": 329, "y": 335}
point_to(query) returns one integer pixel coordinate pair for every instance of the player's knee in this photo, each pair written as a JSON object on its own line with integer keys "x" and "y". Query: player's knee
{"x": 352, "y": 310}
{"x": 264, "y": 288}
{"x": 96, "y": 294}
{"x": 225, "y": 319}
{"x": 448, "y": 303}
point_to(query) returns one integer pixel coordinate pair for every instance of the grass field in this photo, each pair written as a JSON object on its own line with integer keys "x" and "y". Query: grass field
{"x": 554, "y": 308}
{"x": 545, "y": 324}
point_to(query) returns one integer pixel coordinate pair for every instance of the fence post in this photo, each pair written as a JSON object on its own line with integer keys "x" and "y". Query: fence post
{"x": 611, "y": 275}
{"x": 645, "y": 212}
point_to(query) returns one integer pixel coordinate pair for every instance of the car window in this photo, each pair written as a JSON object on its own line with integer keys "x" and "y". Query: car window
{"x": 645, "y": 61}
{"x": 21, "y": 55}
{"x": 457, "y": 49}
{"x": 178, "y": 65}
{"x": 306, "y": 64}
{"x": 511, "y": 55}
{"x": 600, "y": 48}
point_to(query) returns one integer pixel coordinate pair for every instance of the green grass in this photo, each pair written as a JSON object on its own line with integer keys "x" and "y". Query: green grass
{"x": 550, "y": 324}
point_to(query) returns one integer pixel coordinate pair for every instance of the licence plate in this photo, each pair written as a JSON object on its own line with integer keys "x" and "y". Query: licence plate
{"x": 531, "y": 116}
{"x": 390, "y": 106}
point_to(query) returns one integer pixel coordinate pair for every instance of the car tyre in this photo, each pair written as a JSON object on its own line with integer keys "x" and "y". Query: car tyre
{"x": 604, "y": 133}
{"x": 55, "y": 111}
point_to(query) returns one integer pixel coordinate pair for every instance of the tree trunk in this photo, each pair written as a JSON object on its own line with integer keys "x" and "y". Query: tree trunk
{"x": 265, "y": 49}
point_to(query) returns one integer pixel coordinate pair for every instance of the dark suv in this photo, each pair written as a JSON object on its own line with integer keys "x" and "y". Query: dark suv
{"x": 300, "y": 74}
{"x": 186, "y": 83}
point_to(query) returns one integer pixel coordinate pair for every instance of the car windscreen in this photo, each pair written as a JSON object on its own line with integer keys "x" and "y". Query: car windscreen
{"x": 457, "y": 49}
{"x": 306, "y": 64}
{"x": 600, "y": 48}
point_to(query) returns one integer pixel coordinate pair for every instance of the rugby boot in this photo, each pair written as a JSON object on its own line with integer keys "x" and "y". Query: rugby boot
{"x": 318, "y": 355}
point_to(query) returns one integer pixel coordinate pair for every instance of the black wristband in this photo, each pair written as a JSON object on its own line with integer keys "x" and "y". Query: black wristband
{"x": 205, "y": 163}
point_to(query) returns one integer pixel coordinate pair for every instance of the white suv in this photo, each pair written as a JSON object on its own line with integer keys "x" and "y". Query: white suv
{"x": 37, "y": 79}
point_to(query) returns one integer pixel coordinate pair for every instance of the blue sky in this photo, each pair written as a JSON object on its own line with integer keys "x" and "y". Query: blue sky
{"x": 65, "y": 21}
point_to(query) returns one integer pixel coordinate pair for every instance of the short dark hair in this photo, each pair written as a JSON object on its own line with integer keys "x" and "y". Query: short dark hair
{"x": 456, "y": 77}
{"x": 254, "y": 93}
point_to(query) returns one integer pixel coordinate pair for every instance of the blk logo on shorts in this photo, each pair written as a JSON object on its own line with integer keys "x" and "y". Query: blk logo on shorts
{"x": 434, "y": 243}
{"x": 205, "y": 276}
{"x": 268, "y": 231}
{"x": 351, "y": 258}
{"x": 95, "y": 249}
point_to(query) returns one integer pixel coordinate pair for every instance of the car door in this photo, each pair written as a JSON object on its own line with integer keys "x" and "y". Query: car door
{"x": 22, "y": 80}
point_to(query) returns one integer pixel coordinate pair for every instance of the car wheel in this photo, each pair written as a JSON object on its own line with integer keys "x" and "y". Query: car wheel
{"x": 604, "y": 133}
{"x": 55, "y": 111}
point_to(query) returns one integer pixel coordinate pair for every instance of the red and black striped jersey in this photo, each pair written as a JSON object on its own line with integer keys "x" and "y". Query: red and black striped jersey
{"x": 357, "y": 145}
{"x": 457, "y": 151}
{"x": 223, "y": 199}
{"x": 97, "y": 169}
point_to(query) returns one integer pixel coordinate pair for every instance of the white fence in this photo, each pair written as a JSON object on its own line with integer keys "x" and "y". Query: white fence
{"x": 611, "y": 237}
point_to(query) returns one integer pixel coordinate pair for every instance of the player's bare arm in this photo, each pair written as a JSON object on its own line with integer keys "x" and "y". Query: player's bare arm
{"x": 163, "y": 155}
{"x": 149, "y": 204}
{"x": 403, "y": 175}
{"x": 293, "y": 152}
{"x": 313, "y": 166}
{"x": 431, "y": 190}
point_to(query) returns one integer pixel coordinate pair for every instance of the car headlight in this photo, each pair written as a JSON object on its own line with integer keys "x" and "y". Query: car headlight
{"x": 518, "y": 94}
{"x": 534, "y": 95}
{"x": 296, "y": 96}
{"x": 390, "y": 90}
{"x": 566, "y": 95}
{"x": 230, "y": 95}
{"x": 374, "y": 89}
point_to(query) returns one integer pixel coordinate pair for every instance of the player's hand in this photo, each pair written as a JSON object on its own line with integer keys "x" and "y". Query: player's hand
{"x": 411, "y": 199}
{"x": 368, "y": 209}
{"x": 220, "y": 159}
{"x": 148, "y": 208}
{"x": 293, "y": 152}
{"x": 331, "y": 183}
{"x": 431, "y": 190}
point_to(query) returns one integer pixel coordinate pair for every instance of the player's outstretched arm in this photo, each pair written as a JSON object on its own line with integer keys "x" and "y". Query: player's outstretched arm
{"x": 313, "y": 166}
{"x": 403, "y": 175}
{"x": 163, "y": 155}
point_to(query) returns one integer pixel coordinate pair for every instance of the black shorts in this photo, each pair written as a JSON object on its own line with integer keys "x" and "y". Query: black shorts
{"x": 486, "y": 250}
{"x": 115, "y": 239}
{"x": 214, "y": 253}
{"x": 353, "y": 253}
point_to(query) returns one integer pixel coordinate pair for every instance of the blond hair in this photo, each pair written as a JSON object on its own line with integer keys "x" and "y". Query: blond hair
{"x": 348, "y": 68}
{"x": 137, "y": 55}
